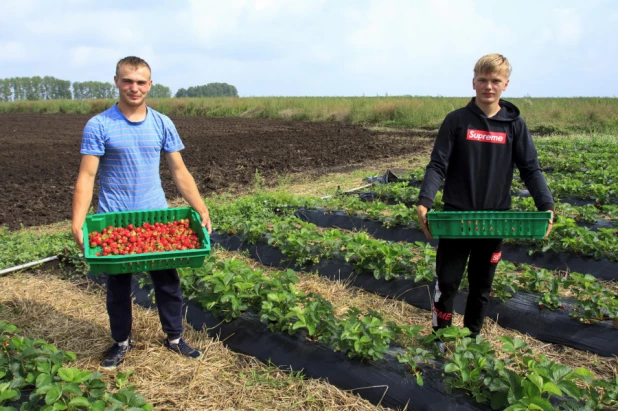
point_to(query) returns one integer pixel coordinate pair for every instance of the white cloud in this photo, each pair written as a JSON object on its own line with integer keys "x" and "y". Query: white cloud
{"x": 394, "y": 33}
{"x": 568, "y": 26}
{"x": 12, "y": 51}
{"x": 322, "y": 53}
{"x": 546, "y": 35}
{"x": 102, "y": 26}
{"x": 15, "y": 9}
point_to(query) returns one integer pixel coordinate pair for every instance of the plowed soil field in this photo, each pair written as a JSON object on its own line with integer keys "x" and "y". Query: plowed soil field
{"x": 39, "y": 156}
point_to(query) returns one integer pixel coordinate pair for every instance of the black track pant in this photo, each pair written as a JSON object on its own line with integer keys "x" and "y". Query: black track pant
{"x": 167, "y": 295}
{"x": 451, "y": 260}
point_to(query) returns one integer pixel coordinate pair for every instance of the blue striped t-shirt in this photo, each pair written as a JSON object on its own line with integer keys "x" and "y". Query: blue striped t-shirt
{"x": 130, "y": 154}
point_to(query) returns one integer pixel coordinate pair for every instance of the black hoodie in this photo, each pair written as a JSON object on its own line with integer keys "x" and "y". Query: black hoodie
{"x": 477, "y": 156}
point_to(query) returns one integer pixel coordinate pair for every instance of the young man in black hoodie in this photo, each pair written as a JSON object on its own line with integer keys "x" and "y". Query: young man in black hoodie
{"x": 475, "y": 152}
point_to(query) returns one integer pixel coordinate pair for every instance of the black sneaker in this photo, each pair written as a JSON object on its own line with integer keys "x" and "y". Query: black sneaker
{"x": 116, "y": 355}
{"x": 183, "y": 348}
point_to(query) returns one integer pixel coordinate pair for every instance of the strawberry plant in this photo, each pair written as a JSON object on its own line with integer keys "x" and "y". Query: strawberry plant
{"x": 425, "y": 270}
{"x": 364, "y": 336}
{"x": 470, "y": 365}
{"x": 295, "y": 240}
{"x": 594, "y": 302}
{"x": 36, "y": 366}
{"x": 535, "y": 279}
{"x": 225, "y": 287}
{"x": 277, "y": 306}
{"x": 603, "y": 392}
{"x": 315, "y": 314}
{"x": 6, "y": 393}
{"x": 503, "y": 285}
{"x": 412, "y": 357}
{"x": 413, "y": 354}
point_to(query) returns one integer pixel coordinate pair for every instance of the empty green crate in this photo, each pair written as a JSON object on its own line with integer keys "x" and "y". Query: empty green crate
{"x": 488, "y": 224}
{"x": 120, "y": 264}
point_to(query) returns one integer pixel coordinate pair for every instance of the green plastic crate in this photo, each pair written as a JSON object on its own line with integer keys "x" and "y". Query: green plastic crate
{"x": 120, "y": 264}
{"x": 488, "y": 224}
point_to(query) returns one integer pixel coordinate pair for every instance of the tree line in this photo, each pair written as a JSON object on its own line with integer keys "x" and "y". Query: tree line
{"x": 51, "y": 88}
{"x": 209, "y": 90}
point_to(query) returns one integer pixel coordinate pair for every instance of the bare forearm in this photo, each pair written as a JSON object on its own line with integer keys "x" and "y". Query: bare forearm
{"x": 82, "y": 198}
{"x": 189, "y": 191}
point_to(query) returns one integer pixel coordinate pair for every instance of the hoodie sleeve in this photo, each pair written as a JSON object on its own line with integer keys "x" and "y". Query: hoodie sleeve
{"x": 436, "y": 169}
{"x": 527, "y": 161}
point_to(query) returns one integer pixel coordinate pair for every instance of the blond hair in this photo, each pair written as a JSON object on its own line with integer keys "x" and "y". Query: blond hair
{"x": 493, "y": 63}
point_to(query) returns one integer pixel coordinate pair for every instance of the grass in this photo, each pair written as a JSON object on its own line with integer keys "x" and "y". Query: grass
{"x": 544, "y": 115}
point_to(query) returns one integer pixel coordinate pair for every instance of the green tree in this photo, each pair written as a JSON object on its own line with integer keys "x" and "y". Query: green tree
{"x": 93, "y": 90}
{"x": 209, "y": 90}
{"x": 34, "y": 88}
{"x": 159, "y": 91}
{"x": 6, "y": 93}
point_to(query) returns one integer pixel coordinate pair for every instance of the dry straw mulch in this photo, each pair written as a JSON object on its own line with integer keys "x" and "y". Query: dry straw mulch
{"x": 73, "y": 317}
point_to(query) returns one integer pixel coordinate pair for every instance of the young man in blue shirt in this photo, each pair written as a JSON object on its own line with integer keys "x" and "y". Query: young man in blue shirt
{"x": 124, "y": 145}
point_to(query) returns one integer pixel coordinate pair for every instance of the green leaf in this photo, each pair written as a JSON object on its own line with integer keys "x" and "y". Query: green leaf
{"x": 465, "y": 375}
{"x": 584, "y": 373}
{"x": 53, "y": 395}
{"x": 499, "y": 400}
{"x": 537, "y": 380}
{"x": 44, "y": 367}
{"x": 44, "y": 389}
{"x": 72, "y": 388}
{"x": 559, "y": 372}
{"x": 9, "y": 395}
{"x": 552, "y": 388}
{"x": 570, "y": 388}
{"x": 98, "y": 405}
{"x": 419, "y": 379}
{"x": 79, "y": 402}
{"x": 517, "y": 407}
{"x": 539, "y": 403}
{"x": 450, "y": 367}
{"x": 516, "y": 386}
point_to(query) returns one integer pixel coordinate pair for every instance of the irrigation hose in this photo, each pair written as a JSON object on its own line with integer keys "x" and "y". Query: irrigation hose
{"x": 33, "y": 263}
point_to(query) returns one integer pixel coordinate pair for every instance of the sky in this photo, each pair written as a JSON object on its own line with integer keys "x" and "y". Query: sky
{"x": 558, "y": 48}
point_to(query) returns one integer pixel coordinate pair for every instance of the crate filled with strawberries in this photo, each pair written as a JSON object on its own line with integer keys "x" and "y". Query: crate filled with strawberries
{"x": 135, "y": 241}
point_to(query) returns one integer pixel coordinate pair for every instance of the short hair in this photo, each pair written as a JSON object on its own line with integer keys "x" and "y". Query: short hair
{"x": 134, "y": 62}
{"x": 492, "y": 63}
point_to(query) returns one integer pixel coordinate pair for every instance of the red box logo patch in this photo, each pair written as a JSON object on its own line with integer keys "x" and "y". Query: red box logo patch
{"x": 495, "y": 257}
{"x": 486, "y": 136}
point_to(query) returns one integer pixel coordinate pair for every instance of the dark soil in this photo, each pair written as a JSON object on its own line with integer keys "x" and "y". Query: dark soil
{"x": 39, "y": 160}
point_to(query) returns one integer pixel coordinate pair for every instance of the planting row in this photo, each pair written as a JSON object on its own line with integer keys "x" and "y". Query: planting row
{"x": 577, "y": 171}
{"x": 567, "y": 235}
{"x": 34, "y": 376}
{"x": 511, "y": 376}
{"x": 523, "y": 311}
{"x": 400, "y": 267}
{"x": 304, "y": 243}
{"x": 577, "y": 155}
{"x": 513, "y": 252}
